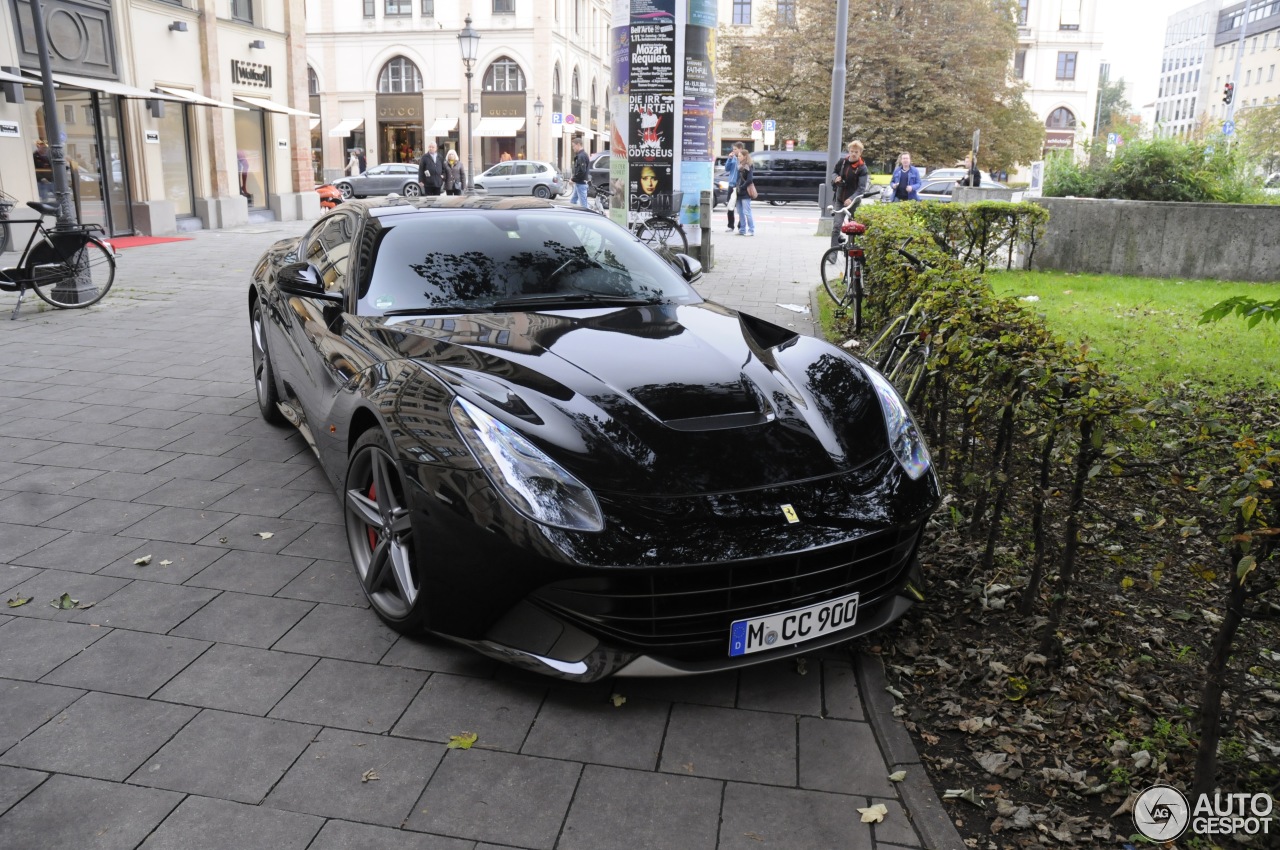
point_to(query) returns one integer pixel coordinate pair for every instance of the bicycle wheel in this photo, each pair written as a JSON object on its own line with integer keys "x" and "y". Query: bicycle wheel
{"x": 661, "y": 231}
{"x": 79, "y": 271}
{"x": 857, "y": 290}
{"x": 835, "y": 276}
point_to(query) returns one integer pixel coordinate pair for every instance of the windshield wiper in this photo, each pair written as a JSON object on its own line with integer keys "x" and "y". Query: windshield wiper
{"x": 562, "y": 299}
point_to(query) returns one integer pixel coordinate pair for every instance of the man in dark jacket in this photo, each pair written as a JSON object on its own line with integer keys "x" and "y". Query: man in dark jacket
{"x": 972, "y": 177}
{"x": 850, "y": 184}
{"x": 431, "y": 171}
{"x": 581, "y": 168}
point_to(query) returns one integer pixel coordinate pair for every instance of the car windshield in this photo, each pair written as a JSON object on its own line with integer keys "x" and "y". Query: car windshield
{"x": 491, "y": 260}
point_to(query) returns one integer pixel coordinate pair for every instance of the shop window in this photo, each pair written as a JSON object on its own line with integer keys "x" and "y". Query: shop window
{"x": 313, "y": 82}
{"x": 242, "y": 10}
{"x": 742, "y": 12}
{"x": 399, "y": 76}
{"x": 504, "y": 75}
{"x": 1066, "y": 65}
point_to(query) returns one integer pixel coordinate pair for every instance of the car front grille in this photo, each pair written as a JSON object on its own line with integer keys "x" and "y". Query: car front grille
{"x": 684, "y": 612}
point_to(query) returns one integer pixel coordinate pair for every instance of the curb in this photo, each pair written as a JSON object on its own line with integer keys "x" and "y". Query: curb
{"x": 927, "y": 814}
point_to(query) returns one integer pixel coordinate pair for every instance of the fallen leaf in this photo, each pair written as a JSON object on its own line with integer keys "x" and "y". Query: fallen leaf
{"x": 265, "y": 535}
{"x": 166, "y": 562}
{"x": 968, "y": 795}
{"x": 85, "y": 605}
{"x": 18, "y": 601}
{"x": 222, "y": 540}
{"x": 897, "y": 776}
{"x": 64, "y": 602}
{"x": 618, "y": 700}
{"x": 369, "y": 776}
{"x": 896, "y": 693}
{"x": 874, "y": 814}
{"x": 142, "y": 562}
{"x": 463, "y": 741}
{"x": 754, "y": 836}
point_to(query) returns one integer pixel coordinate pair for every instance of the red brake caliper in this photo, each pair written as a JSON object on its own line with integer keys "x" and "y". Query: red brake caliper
{"x": 373, "y": 536}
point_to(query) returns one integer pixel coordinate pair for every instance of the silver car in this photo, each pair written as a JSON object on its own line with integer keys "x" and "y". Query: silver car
{"x": 398, "y": 177}
{"x": 521, "y": 177}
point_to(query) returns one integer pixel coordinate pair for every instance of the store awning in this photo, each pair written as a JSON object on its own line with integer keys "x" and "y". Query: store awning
{"x": 6, "y": 77}
{"x": 499, "y": 127}
{"x": 272, "y": 106}
{"x": 345, "y": 126}
{"x": 443, "y": 127}
{"x": 315, "y": 122}
{"x": 192, "y": 97}
{"x": 106, "y": 87}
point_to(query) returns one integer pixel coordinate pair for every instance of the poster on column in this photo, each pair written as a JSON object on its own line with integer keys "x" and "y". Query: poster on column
{"x": 702, "y": 13}
{"x": 651, "y": 155}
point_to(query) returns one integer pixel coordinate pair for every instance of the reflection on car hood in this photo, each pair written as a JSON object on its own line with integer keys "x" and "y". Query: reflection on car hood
{"x": 659, "y": 399}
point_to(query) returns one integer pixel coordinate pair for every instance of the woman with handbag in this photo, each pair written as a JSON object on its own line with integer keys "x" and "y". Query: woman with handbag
{"x": 746, "y": 193}
{"x": 731, "y": 178}
{"x": 455, "y": 176}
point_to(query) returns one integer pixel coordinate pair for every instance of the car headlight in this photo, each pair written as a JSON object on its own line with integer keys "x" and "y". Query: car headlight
{"x": 904, "y": 436}
{"x": 724, "y": 184}
{"x": 534, "y": 484}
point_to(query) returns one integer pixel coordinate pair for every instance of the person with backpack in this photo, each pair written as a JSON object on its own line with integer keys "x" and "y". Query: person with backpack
{"x": 850, "y": 182}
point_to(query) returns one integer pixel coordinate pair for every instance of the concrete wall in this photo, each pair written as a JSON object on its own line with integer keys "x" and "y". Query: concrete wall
{"x": 1160, "y": 239}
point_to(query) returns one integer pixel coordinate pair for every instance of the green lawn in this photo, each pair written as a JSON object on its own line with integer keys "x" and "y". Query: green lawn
{"x": 1148, "y": 329}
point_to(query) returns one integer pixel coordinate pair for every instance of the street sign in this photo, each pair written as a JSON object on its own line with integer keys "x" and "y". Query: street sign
{"x": 1113, "y": 138}
{"x": 770, "y": 125}
{"x": 557, "y": 117}
{"x": 976, "y": 134}
{"x": 791, "y": 144}
{"x": 570, "y": 118}
{"x": 757, "y": 125}
{"x": 1228, "y": 128}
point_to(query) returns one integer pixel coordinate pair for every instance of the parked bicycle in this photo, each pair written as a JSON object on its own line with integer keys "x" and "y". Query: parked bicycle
{"x": 663, "y": 233}
{"x": 844, "y": 266}
{"x": 69, "y": 268}
{"x": 903, "y": 349}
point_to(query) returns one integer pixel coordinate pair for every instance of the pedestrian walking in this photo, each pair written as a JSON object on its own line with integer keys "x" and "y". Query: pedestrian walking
{"x": 850, "y": 182}
{"x": 905, "y": 183}
{"x": 972, "y": 176}
{"x": 746, "y": 192}
{"x": 581, "y": 168}
{"x": 455, "y": 176}
{"x": 364, "y": 163}
{"x": 431, "y": 171}
{"x": 731, "y": 177}
{"x": 353, "y": 163}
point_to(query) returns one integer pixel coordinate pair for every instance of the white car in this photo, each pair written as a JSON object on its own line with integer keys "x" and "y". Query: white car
{"x": 521, "y": 177}
{"x": 1272, "y": 186}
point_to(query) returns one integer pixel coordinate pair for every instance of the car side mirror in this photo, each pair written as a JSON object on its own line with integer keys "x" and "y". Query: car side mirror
{"x": 690, "y": 269}
{"x": 303, "y": 279}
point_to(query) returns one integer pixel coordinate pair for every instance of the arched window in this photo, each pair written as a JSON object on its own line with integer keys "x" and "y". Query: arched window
{"x": 738, "y": 109}
{"x": 1061, "y": 119}
{"x": 575, "y": 87}
{"x": 593, "y": 94}
{"x": 504, "y": 75}
{"x": 313, "y": 82}
{"x": 399, "y": 76}
{"x": 555, "y": 81}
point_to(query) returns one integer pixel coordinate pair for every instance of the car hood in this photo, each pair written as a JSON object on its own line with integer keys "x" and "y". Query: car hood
{"x": 662, "y": 399}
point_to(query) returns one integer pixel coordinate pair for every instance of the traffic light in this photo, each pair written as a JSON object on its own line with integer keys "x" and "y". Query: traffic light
{"x": 1228, "y": 92}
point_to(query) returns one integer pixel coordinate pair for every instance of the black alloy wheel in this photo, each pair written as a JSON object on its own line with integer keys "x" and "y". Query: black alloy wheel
{"x": 264, "y": 380}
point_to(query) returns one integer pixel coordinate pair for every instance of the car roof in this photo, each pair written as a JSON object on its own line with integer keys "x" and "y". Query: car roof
{"x": 391, "y": 206}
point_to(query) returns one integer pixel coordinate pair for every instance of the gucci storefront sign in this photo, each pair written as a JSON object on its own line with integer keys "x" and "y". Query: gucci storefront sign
{"x": 395, "y": 108}
{"x": 250, "y": 74}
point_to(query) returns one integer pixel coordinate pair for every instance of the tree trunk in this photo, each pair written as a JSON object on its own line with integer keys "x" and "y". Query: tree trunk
{"x": 1071, "y": 545}
{"x": 1032, "y": 590}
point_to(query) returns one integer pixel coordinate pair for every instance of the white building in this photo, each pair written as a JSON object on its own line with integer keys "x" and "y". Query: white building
{"x": 1185, "y": 88}
{"x": 387, "y": 76}
{"x": 1059, "y": 54}
{"x": 1250, "y": 65}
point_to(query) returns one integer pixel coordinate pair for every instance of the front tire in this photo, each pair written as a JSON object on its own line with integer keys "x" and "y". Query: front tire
{"x": 541, "y": 191}
{"x": 835, "y": 276}
{"x": 264, "y": 376}
{"x": 78, "y": 275}
{"x": 344, "y": 189}
{"x": 380, "y": 534}
{"x": 411, "y": 190}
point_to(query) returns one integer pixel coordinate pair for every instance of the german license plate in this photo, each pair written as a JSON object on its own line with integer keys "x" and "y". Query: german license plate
{"x": 776, "y": 630}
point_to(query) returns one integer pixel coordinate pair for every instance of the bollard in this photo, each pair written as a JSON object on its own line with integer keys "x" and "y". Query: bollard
{"x": 705, "y": 252}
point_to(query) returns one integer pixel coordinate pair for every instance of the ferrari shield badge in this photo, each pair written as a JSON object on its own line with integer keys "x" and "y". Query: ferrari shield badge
{"x": 790, "y": 513}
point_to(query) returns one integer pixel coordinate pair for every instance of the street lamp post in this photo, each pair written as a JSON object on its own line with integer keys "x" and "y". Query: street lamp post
{"x": 537, "y": 114}
{"x": 469, "y": 43}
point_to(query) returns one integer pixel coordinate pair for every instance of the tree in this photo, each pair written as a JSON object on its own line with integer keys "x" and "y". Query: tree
{"x": 1260, "y": 136}
{"x": 922, "y": 76}
{"x": 1113, "y": 106}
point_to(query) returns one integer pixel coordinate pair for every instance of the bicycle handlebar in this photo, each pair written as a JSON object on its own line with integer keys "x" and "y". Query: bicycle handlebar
{"x": 918, "y": 264}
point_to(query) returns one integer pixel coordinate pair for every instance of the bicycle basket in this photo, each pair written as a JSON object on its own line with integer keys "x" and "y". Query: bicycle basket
{"x": 667, "y": 204}
{"x": 854, "y": 227}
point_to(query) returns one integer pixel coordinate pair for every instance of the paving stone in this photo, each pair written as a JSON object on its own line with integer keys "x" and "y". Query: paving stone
{"x": 48, "y": 409}
{"x": 242, "y": 533}
{"x": 259, "y": 473}
{"x": 199, "y": 466}
{"x": 758, "y": 816}
{"x": 186, "y": 493}
{"x": 333, "y": 631}
{"x": 362, "y": 697}
{"x": 79, "y": 552}
{"x": 18, "y": 448}
{"x": 778, "y": 687}
{"x": 36, "y": 508}
{"x": 186, "y": 560}
{"x": 312, "y": 479}
{"x": 18, "y": 540}
{"x": 591, "y": 729}
{"x": 437, "y": 655}
{"x": 34, "y": 428}
{"x": 211, "y": 404}
{"x": 328, "y": 581}
{"x": 215, "y": 423}
{"x": 251, "y": 572}
{"x": 896, "y": 826}
{"x": 841, "y": 698}
{"x": 630, "y": 810}
{"x": 12, "y": 576}
{"x": 720, "y": 689}
{"x": 317, "y": 507}
{"x": 89, "y": 433}
{"x": 49, "y": 585}
{"x": 181, "y": 525}
{"x": 498, "y": 797}
{"x": 131, "y": 663}
{"x": 16, "y": 783}
{"x": 205, "y": 444}
{"x": 204, "y": 824}
{"x": 326, "y": 778}
{"x": 85, "y": 814}
{"x": 343, "y": 835}
{"x": 69, "y": 454}
{"x": 122, "y": 486}
{"x": 106, "y": 516}
{"x": 10, "y": 470}
{"x": 838, "y": 755}
{"x": 27, "y": 706}
{"x": 100, "y": 735}
{"x": 30, "y": 648}
{"x": 703, "y": 741}
{"x": 244, "y": 619}
{"x": 144, "y": 438}
{"x": 237, "y": 678}
{"x": 499, "y": 712}
{"x": 269, "y": 448}
{"x": 230, "y": 756}
{"x": 323, "y": 540}
{"x": 123, "y": 382}
{"x": 101, "y": 413}
{"x": 50, "y": 479}
{"x": 132, "y": 460}
{"x": 260, "y": 501}
{"x": 147, "y": 606}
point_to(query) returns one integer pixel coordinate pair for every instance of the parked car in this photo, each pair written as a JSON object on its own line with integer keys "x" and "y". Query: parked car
{"x": 940, "y": 190}
{"x": 781, "y": 177}
{"x": 330, "y": 196}
{"x": 521, "y": 177}
{"x": 537, "y": 428}
{"x": 599, "y": 173}
{"x": 1272, "y": 186}
{"x": 398, "y": 177}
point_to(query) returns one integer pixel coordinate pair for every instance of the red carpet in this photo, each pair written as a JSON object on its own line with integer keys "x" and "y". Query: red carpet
{"x": 138, "y": 241}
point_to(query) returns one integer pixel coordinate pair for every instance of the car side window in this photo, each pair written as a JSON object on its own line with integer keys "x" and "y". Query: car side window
{"x": 817, "y": 166}
{"x": 503, "y": 170}
{"x": 523, "y": 168}
{"x": 376, "y": 170}
{"x": 329, "y": 250}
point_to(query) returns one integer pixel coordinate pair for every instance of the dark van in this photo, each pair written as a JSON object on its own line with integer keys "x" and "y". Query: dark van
{"x": 782, "y": 176}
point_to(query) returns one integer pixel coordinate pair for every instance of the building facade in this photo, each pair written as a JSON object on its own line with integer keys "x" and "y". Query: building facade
{"x": 1059, "y": 55}
{"x": 1250, "y": 65}
{"x": 175, "y": 114}
{"x": 1185, "y": 88}
{"x": 387, "y": 77}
